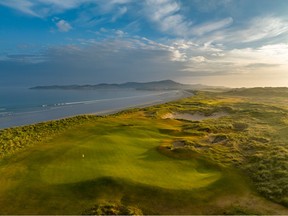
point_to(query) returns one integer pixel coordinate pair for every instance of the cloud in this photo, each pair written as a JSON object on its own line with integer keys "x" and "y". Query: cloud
{"x": 269, "y": 59}
{"x": 45, "y": 8}
{"x": 261, "y": 28}
{"x": 211, "y": 5}
{"x": 168, "y": 17}
{"x": 162, "y": 9}
{"x": 63, "y": 26}
{"x": 211, "y": 26}
{"x": 107, "y": 6}
{"x": 25, "y": 6}
{"x": 212, "y": 45}
{"x": 258, "y": 29}
{"x": 272, "y": 54}
{"x": 120, "y": 12}
{"x": 42, "y": 8}
{"x": 63, "y": 4}
{"x": 192, "y": 58}
{"x": 133, "y": 58}
{"x": 24, "y": 58}
{"x": 198, "y": 59}
{"x": 116, "y": 59}
{"x": 176, "y": 55}
{"x": 104, "y": 33}
{"x": 261, "y": 65}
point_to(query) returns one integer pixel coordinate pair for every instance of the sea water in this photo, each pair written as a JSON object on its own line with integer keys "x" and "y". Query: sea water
{"x": 22, "y": 106}
{"x": 15, "y": 100}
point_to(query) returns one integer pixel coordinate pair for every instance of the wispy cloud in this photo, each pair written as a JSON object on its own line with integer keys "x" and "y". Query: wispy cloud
{"x": 263, "y": 28}
{"x": 63, "y": 4}
{"x": 24, "y": 6}
{"x": 25, "y": 58}
{"x": 211, "y": 5}
{"x": 44, "y": 8}
{"x": 108, "y": 6}
{"x": 261, "y": 65}
{"x": 257, "y": 29}
{"x": 119, "y": 13}
{"x": 211, "y": 26}
{"x": 167, "y": 16}
{"x": 162, "y": 9}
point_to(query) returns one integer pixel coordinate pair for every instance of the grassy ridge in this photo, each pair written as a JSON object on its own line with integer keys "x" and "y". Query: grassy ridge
{"x": 67, "y": 166}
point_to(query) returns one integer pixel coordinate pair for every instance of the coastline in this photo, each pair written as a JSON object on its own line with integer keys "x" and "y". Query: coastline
{"x": 97, "y": 107}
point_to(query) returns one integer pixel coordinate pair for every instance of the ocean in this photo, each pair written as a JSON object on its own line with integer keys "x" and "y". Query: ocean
{"x": 23, "y": 106}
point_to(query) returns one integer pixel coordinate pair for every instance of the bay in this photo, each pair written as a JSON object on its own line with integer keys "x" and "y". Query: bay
{"x": 23, "y": 106}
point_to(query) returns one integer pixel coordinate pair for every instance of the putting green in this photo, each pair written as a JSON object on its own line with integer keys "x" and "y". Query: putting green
{"x": 124, "y": 152}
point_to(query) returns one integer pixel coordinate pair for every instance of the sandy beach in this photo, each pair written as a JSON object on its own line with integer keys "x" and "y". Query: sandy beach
{"x": 97, "y": 107}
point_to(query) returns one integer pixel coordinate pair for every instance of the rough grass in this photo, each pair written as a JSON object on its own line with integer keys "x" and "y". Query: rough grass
{"x": 255, "y": 134}
{"x": 129, "y": 159}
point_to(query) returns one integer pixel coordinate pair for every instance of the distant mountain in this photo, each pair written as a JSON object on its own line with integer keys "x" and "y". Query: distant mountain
{"x": 156, "y": 85}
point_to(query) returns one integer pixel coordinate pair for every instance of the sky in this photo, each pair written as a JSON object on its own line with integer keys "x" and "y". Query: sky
{"x": 233, "y": 43}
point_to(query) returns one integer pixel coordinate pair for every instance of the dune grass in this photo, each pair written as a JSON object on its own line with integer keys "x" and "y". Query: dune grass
{"x": 255, "y": 134}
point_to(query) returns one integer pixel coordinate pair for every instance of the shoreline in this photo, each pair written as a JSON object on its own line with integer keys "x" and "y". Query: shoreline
{"x": 104, "y": 107}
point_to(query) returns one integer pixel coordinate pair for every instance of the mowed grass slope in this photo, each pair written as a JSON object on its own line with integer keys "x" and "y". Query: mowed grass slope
{"x": 128, "y": 153}
{"x": 40, "y": 180}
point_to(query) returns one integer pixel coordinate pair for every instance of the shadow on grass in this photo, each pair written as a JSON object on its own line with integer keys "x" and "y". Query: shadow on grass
{"x": 150, "y": 199}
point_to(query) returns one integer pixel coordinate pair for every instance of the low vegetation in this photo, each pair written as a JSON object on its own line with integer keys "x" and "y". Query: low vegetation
{"x": 15, "y": 139}
{"x": 136, "y": 161}
{"x": 253, "y": 137}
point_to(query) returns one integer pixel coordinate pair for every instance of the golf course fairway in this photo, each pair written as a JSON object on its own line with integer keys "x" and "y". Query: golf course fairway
{"x": 130, "y": 154}
{"x": 101, "y": 150}
{"x": 141, "y": 160}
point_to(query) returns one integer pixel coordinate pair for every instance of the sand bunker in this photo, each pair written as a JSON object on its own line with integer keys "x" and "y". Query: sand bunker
{"x": 179, "y": 144}
{"x": 195, "y": 116}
